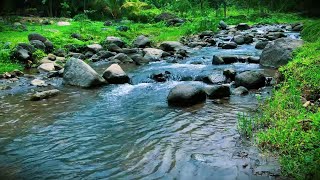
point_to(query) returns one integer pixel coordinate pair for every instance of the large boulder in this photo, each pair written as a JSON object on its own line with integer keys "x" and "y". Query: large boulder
{"x": 186, "y": 95}
{"x": 214, "y": 79}
{"x": 171, "y": 46}
{"x": 141, "y": 42}
{"x": 115, "y": 75}
{"x": 78, "y": 73}
{"x": 115, "y": 40}
{"x": 279, "y": 52}
{"x": 250, "y": 80}
{"x": 218, "y": 91}
{"x": 27, "y": 47}
{"x": 230, "y": 74}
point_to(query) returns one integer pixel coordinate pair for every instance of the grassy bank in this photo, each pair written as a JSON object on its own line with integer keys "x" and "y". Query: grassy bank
{"x": 95, "y": 32}
{"x": 285, "y": 125}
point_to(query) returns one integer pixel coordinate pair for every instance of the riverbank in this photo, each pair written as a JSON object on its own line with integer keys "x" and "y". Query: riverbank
{"x": 289, "y": 122}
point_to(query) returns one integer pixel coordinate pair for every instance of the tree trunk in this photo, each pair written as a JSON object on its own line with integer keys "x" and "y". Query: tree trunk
{"x": 225, "y": 8}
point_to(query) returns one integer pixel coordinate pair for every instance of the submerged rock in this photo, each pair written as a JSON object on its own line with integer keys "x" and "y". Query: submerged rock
{"x": 115, "y": 75}
{"x": 78, "y": 73}
{"x": 217, "y": 92}
{"x": 261, "y": 44}
{"x": 217, "y": 60}
{"x": 186, "y": 95}
{"x": 39, "y": 83}
{"x": 44, "y": 95}
{"x": 279, "y": 52}
{"x": 229, "y": 45}
{"x": 240, "y": 91}
{"x": 250, "y": 80}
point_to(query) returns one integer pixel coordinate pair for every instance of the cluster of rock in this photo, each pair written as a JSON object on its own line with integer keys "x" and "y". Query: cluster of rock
{"x": 24, "y": 51}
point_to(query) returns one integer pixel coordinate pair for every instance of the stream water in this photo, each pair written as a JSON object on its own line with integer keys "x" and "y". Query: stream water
{"x": 129, "y": 131}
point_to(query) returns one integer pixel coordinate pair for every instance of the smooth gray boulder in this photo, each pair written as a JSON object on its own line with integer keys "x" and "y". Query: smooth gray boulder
{"x": 223, "y": 25}
{"x": 186, "y": 95}
{"x": 78, "y": 73}
{"x": 122, "y": 58}
{"x": 218, "y": 91}
{"x": 38, "y": 44}
{"x": 141, "y": 42}
{"x": 115, "y": 75}
{"x": 250, "y": 80}
{"x": 279, "y": 52}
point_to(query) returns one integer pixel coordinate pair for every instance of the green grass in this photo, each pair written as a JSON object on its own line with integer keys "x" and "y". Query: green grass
{"x": 283, "y": 125}
{"x": 158, "y": 32}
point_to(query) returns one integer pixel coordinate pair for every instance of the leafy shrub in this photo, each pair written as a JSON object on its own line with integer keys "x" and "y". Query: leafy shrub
{"x": 80, "y": 17}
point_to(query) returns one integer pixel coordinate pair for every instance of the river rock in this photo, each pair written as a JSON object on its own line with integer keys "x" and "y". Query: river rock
{"x": 161, "y": 77}
{"x": 248, "y": 39}
{"x": 250, "y": 80}
{"x": 27, "y": 47}
{"x": 44, "y": 95}
{"x": 94, "y": 47}
{"x": 38, "y": 44}
{"x": 229, "y": 45}
{"x": 139, "y": 59}
{"x": 214, "y": 79}
{"x": 254, "y": 59}
{"x": 218, "y": 91}
{"x": 49, "y": 46}
{"x": 279, "y": 52}
{"x": 186, "y": 95}
{"x": 105, "y": 54}
{"x": 239, "y": 39}
{"x": 47, "y": 67}
{"x": 122, "y": 58}
{"x": 78, "y": 73}
{"x": 22, "y": 55}
{"x": 297, "y": 27}
{"x": 230, "y": 59}
{"x": 35, "y": 36}
{"x": 141, "y": 42}
{"x": 115, "y": 40}
{"x": 115, "y": 75}
{"x": 240, "y": 91}
{"x": 230, "y": 74}
{"x": 275, "y": 35}
{"x": 153, "y": 54}
{"x": 261, "y": 44}
{"x": 171, "y": 46}
{"x": 243, "y": 26}
{"x": 223, "y": 25}
{"x": 114, "y": 48}
{"x": 38, "y": 82}
{"x": 217, "y": 60}
{"x": 206, "y": 34}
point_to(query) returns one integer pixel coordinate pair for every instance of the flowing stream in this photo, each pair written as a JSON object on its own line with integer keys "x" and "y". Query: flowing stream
{"x": 128, "y": 131}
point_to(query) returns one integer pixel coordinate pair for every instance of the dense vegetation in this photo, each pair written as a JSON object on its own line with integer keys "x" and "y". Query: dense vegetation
{"x": 286, "y": 122}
